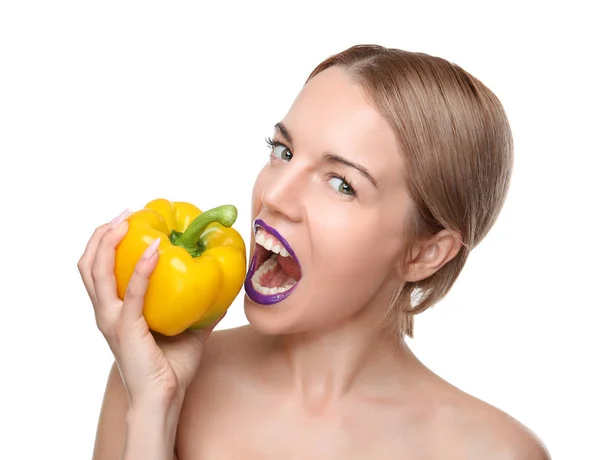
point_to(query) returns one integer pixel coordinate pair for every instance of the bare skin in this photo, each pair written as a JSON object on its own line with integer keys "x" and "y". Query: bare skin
{"x": 244, "y": 404}
{"x": 395, "y": 409}
{"x": 316, "y": 375}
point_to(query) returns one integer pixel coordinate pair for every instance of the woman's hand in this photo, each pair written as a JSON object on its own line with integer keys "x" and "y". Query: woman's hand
{"x": 154, "y": 368}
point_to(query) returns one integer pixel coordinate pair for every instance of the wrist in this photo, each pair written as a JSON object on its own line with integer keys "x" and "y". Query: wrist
{"x": 163, "y": 411}
{"x": 148, "y": 401}
{"x": 150, "y": 431}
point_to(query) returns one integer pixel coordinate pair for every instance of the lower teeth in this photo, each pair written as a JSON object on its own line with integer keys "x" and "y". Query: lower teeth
{"x": 269, "y": 265}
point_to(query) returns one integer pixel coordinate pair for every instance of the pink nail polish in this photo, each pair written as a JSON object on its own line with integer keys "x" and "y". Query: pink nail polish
{"x": 117, "y": 220}
{"x": 149, "y": 252}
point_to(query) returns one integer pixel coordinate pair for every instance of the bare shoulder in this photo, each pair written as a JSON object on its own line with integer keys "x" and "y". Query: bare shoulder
{"x": 491, "y": 433}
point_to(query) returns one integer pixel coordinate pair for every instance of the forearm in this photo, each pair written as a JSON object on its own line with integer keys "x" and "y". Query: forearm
{"x": 150, "y": 432}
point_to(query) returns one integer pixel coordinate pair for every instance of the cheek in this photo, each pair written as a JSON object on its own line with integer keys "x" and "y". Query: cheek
{"x": 365, "y": 244}
{"x": 351, "y": 262}
{"x": 351, "y": 249}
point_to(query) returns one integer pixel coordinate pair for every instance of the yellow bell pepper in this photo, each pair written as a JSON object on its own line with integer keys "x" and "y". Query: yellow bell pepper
{"x": 200, "y": 269}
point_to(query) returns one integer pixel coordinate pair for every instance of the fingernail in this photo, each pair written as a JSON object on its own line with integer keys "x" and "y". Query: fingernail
{"x": 117, "y": 220}
{"x": 149, "y": 252}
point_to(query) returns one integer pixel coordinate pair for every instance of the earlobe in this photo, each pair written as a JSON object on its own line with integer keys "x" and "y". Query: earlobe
{"x": 428, "y": 256}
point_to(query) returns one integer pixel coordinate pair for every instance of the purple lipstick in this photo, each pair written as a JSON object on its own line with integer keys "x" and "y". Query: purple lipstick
{"x": 261, "y": 256}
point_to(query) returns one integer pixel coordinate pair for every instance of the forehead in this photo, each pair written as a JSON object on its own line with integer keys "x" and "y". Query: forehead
{"x": 333, "y": 113}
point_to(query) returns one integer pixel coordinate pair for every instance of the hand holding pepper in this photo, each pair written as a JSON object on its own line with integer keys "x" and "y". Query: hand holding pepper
{"x": 128, "y": 280}
{"x": 201, "y": 268}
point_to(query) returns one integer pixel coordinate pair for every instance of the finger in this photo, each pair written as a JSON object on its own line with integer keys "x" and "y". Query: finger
{"x": 103, "y": 266}
{"x": 133, "y": 303}
{"x": 84, "y": 265}
{"x": 85, "y": 262}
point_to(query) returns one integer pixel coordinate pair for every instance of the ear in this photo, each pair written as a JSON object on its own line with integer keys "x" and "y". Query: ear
{"x": 429, "y": 255}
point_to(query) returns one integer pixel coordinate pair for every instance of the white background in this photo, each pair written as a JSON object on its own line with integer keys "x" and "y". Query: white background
{"x": 106, "y": 105}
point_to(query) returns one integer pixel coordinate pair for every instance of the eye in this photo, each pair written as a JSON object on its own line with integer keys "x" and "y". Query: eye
{"x": 282, "y": 152}
{"x": 342, "y": 186}
{"x": 278, "y": 150}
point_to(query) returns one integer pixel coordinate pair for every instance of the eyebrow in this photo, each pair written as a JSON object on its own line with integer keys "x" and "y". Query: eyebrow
{"x": 330, "y": 157}
{"x": 284, "y": 132}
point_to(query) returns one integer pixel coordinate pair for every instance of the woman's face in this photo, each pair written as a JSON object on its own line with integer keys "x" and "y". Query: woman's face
{"x": 329, "y": 209}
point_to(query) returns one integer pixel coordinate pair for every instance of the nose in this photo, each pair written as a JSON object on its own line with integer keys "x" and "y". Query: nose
{"x": 283, "y": 193}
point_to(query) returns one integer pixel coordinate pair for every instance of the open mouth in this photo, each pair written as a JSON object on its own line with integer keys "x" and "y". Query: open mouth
{"x": 274, "y": 271}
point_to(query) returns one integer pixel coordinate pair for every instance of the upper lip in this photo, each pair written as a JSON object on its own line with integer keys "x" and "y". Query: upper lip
{"x": 259, "y": 223}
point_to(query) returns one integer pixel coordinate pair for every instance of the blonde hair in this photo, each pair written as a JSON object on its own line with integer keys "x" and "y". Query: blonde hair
{"x": 458, "y": 149}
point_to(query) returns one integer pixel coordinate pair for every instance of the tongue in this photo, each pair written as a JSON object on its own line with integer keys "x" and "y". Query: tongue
{"x": 276, "y": 278}
{"x": 289, "y": 266}
{"x": 284, "y": 274}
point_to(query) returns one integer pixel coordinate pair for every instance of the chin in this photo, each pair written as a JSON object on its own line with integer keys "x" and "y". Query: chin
{"x": 271, "y": 319}
{"x": 290, "y": 316}
{"x": 294, "y": 315}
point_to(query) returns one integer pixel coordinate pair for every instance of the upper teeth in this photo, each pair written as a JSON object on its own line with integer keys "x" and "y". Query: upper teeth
{"x": 270, "y": 243}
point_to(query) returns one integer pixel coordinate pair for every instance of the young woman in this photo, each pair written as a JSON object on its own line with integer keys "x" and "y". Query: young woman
{"x": 388, "y": 169}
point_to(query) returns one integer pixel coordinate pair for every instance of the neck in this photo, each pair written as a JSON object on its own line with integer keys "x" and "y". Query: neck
{"x": 357, "y": 356}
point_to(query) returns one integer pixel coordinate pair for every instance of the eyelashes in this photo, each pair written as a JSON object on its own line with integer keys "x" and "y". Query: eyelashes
{"x": 271, "y": 143}
{"x": 344, "y": 186}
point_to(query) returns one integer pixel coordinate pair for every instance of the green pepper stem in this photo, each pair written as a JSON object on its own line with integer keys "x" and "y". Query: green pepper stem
{"x": 190, "y": 238}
